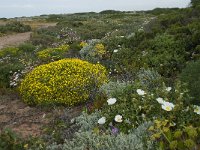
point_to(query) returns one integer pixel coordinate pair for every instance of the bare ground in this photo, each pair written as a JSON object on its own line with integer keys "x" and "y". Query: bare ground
{"x": 28, "y": 121}
{"x": 18, "y": 38}
{"x": 19, "y": 117}
{"x": 15, "y": 39}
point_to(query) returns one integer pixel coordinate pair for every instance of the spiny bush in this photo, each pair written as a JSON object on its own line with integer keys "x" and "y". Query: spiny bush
{"x": 67, "y": 81}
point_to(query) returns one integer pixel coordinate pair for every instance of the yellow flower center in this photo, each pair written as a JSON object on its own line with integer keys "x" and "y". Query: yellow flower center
{"x": 168, "y": 108}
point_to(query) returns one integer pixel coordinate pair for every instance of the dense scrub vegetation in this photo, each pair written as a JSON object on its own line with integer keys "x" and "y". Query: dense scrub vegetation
{"x": 151, "y": 97}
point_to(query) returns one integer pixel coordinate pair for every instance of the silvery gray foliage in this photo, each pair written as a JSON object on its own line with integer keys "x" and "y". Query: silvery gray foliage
{"x": 87, "y": 122}
{"x": 149, "y": 78}
{"x": 111, "y": 87}
{"x": 87, "y": 139}
{"x": 88, "y": 52}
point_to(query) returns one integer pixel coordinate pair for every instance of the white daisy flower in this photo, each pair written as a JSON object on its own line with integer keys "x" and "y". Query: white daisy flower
{"x": 118, "y": 118}
{"x": 168, "y": 106}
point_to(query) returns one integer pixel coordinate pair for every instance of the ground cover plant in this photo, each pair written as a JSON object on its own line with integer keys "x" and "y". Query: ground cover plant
{"x": 118, "y": 80}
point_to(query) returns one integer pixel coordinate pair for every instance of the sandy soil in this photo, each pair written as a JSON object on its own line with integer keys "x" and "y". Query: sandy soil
{"x": 19, "y": 117}
{"x": 30, "y": 121}
{"x": 14, "y": 39}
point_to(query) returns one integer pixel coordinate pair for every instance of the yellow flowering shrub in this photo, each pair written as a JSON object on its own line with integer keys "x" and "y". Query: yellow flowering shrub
{"x": 67, "y": 81}
{"x": 83, "y": 44}
{"x": 100, "y": 49}
{"x": 53, "y": 53}
{"x": 93, "y": 52}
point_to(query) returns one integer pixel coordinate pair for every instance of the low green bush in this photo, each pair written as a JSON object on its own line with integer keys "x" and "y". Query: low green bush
{"x": 90, "y": 137}
{"x": 11, "y": 51}
{"x": 26, "y": 47}
{"x": 49, "y": 54}
{"x": 191, "y": 75}
{"x": 9, "y": 140}
{"x": 15, "y": 27}
{"x": 7, "y": 70}
{"x": 93, "y": 52}
{"x": 136, "y": 104}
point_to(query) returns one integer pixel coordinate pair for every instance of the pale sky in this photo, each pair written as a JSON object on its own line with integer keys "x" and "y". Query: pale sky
{"x": 17, "y": 8}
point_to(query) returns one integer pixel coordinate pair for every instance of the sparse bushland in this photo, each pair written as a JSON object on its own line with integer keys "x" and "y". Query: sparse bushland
{"x": 151, "y": 98}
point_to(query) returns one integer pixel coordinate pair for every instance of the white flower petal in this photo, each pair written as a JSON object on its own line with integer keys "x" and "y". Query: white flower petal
{"x": 118, "y": 118}
{"x": 160, "y": 100}
{"x": 168, "y": 106}
{"x": 197, "y": 109}
{"x": 102, "y": 120}
{"x": 140, "y": 92}
{"x": 168, "y": 89}
{"x": 111, "y": 101}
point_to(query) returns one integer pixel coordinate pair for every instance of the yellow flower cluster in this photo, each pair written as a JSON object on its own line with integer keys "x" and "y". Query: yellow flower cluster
{"x": 52, "y": 53}
{"x": 100, "y": 49}
{"x": 67, "y": 81}
{"x": 83, "y": 44}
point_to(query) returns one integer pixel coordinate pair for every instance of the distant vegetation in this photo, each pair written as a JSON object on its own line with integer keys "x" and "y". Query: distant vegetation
{"x": 14, "y": 27}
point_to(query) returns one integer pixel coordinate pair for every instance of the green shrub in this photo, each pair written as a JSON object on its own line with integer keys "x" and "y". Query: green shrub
{"x": 113, "y": 87}
{"x": 89, "y": 137}
{"x": 11, "y": 51}
{"x": 42, "y": 39}
{"x": 6, "y": 72}
{"x": 26, "y": 47}
{"x": 18, "y": 27}
{"x": 165, "y": 54}
{"x": 9, "y": 140}
{"x": 68, "y": 81}
{"x": 15, "y": 27}
{"x": 93, "y": 52}
{"x": 50, "y": 54}
{"x": 149, "y": 78}
{"x": 191, "y": 76}
{"x": 168, "y": 137}
{"x": 136, "y": 106}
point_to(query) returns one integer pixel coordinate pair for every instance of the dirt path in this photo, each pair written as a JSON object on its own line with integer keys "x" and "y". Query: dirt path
{"x": 20, "y": 117}
{"x": 14, "y": 39}
{"x": 29, "y": 121}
